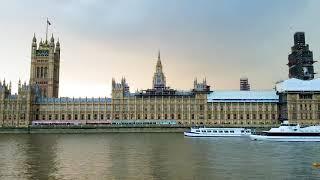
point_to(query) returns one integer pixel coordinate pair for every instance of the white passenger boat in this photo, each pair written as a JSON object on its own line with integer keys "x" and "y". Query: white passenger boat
{"x": 217, "y": 132}
{"x": 289, "y": 132}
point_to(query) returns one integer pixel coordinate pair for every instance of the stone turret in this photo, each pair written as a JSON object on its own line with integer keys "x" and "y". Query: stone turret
{"x": 121, "y": 89}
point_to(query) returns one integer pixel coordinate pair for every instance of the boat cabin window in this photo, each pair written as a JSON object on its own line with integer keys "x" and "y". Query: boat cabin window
{"x": 226, "y": 131}
{"x": 203, "y": 131}
{"x": 215, "y": 131}
{"x": 242, "y": 131}
{"x": 209, "y": 131}
{"x": 288, "y": 124}
{"x": 197, "y": 130}
{"x": 220, "y": 131}
{"x": 247, "y": 131}
{"x": 231, "y": 131}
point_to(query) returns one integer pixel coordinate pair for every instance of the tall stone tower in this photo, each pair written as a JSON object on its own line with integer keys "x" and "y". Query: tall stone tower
{"x": 45, "y": 66}
{"x": 301, "y": 59}
{"x": 244, "y": 84}
{"x": 159, "y": 80}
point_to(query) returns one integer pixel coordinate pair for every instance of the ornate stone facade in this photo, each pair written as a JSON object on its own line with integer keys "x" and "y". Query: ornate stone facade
{"x": 38, "y": 101}
{"x": 45, "y": 66}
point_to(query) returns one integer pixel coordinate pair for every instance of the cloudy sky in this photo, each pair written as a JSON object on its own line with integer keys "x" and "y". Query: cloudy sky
{"x": 101, "y": 39}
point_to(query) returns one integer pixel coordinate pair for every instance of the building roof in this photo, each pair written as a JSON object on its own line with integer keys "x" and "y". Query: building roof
{"x": 243, "y": 96}
{"x": 298, "y": 85}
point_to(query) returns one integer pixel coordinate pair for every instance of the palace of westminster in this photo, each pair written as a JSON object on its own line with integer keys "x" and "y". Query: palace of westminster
{"x": 296, "y": 99}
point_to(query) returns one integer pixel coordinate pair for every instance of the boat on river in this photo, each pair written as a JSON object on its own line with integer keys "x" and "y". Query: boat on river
{"x": 289, "y": 132}
{"x": 217, "y": 132}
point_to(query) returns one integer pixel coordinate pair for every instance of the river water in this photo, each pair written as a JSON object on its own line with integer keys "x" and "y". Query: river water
{"x": 153, "y": 156}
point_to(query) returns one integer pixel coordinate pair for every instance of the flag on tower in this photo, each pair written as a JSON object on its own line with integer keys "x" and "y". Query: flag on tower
{"x": 49, "y": 23}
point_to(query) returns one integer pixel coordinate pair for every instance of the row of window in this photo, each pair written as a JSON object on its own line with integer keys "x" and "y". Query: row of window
{"x": 14, "y": 117}
{"x": 151, "y": 116}
{"x": 243, "y": 116}
{"x": 41, "y": 72}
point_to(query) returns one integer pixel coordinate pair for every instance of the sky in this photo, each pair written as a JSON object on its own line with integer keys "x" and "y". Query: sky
{"x": 213, "y": 39}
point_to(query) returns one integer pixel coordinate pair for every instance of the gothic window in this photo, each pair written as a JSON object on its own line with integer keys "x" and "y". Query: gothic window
{"x": 69, "y": 116}
{"x": 159, "y": 116}
{"x": 41, "y": 72}
{"x": 145, "y": 116}
{"x": 62, "y": 116}
{"x": 101, "y": 116}
{"x": 172, "y": 116}
{"x": 82, "y": 116}
{"x": 179, "y": 116}
{"x": 248, "y": 116}
{"x": 45, "y": 72}
{"x": 38, "y": 72}
{"x": 76, "y": 116}
{"x": 95, "y": 116}
{"x": 89, "y": 116}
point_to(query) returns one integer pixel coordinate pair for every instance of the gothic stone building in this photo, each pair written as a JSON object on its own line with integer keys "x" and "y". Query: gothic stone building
{"x": 38, "y": 101}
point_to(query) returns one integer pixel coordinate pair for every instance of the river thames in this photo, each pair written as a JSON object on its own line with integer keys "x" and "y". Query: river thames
{"x": 153, "y": 156}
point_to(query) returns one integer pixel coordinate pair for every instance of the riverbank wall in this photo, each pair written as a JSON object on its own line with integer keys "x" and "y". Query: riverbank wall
{"x": 108, "y": 129}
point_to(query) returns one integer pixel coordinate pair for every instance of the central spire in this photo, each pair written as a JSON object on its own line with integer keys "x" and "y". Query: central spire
{"x": 159, "y": 79}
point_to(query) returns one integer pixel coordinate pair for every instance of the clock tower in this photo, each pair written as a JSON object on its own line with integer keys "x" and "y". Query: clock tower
{"x": 45, "y": 66}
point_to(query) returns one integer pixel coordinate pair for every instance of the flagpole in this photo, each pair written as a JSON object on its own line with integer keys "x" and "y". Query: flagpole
{"x": 47, "y": 31}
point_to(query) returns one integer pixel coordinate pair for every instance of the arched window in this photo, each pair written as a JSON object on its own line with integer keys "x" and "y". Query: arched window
{"x": 41, "y": 72}
{"x": 45, "y": 72}
{"x": 38, "y": 72}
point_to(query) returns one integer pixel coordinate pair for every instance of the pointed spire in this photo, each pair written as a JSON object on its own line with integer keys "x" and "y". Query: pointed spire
{"x": 52, "y": 39}
{"x": 58, "y": 42}
{"x": 34, "y": 39}
{"x": 159, "y": 58}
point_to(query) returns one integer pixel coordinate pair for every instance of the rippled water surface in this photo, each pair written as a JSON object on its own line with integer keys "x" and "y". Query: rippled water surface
{"x": 152, "y": 156}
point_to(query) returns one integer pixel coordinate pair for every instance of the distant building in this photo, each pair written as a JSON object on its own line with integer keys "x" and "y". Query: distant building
{"x": 299, "y": 100}
{"x": 301, "y": 59}
{"x": 244, "y": 84}
{"x": 38, "y": 102}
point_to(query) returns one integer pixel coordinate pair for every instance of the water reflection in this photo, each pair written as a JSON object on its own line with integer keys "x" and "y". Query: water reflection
{"x": 40, "y": 152}
{"x": 152, "y": 156}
